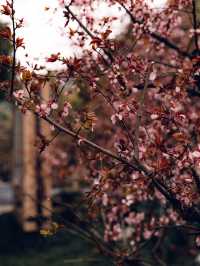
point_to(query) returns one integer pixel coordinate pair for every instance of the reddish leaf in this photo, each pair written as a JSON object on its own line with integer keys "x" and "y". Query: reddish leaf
{"x": 9, "y": 4}
{"x": 105, "y": 34}
{"x": 180, "y": 137}
{"x": 95, "y": 42}
{"x": 6, "y": 10}
{"x": 26, "y": 75}
{"x": 5, "y": 59}
{"x": 20, "y": 42}
{"x": 53, "y": 58}
{"x": 6, "y": 33}
{"x": 71, "y": 32}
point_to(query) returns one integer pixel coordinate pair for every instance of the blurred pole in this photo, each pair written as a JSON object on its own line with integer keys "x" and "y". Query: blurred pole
{"x": 198, "y": 11}
{"x": 17, "y": 164}
{"x": 31, "y": 178}
{"x": 29, "y": 185}
{"x": 45, "y": 170}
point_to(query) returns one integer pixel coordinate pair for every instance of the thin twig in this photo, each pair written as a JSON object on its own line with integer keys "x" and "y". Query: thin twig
{"x": 140, "y": 112}
{"x": 109, "y": 64}
{"x": 89, "y": 33}
{"x": 156, "y": 36}
{"x": 194, "y": 13}
{"x": 87, "y": 233}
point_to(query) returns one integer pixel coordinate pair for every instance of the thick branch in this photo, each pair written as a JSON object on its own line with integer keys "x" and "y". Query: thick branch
{"x": 188, "y": 213}
{"x": 91, "y": 144}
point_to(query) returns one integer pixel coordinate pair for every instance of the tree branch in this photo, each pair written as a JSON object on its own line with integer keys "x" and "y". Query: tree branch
{"x": 140, "y": 112}
{"x": 194, "y": 13}
{"x": 156, "y": 36}
{"x": 188, "y": 213}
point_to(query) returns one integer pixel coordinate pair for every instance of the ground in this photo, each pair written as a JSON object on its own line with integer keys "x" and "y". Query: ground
{"x": 19, "y": 249}
{"x": 64, "y": 248}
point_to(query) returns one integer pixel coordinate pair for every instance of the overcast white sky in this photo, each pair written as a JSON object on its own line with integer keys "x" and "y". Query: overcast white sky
{"x": 43, "y": 30}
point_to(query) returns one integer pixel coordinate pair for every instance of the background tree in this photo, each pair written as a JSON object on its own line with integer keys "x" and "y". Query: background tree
{"x": 5, "y": 117}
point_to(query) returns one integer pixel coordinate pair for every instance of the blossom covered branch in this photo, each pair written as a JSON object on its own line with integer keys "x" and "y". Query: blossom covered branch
{"x": 134, "y": 124}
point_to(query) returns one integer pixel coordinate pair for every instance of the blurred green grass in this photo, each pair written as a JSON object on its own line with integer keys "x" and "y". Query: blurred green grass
{"x": 19, "y": 249}
{"x": 71, "y": 254}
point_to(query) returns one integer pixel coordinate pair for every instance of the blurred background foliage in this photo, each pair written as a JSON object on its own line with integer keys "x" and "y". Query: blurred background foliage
{"x": 5, "y": 119}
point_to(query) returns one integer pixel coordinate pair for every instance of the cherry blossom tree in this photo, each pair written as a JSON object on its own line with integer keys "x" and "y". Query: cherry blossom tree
{"x": 135, "y": 138}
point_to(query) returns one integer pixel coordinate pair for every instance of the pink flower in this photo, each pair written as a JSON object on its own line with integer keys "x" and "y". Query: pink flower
{"x": 198, "y": 241}
{"x": 19, "y": 94}
{"x": 54, "y": 106}
{"x": 115, "y": 117}
{"x": 147, "y": 234}
{"x": 66, "y": 108}
{"x": 43, "y": 109}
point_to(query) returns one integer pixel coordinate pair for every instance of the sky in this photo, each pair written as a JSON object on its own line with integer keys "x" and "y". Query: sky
{"x": 43, "y": 30}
